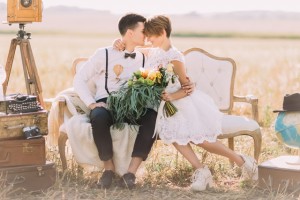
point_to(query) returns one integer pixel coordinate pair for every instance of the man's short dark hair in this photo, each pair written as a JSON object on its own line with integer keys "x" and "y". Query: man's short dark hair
{"x": 130, "y": 21}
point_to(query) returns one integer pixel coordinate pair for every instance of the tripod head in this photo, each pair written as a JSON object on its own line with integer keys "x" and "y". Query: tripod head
{"x": 22, "y": 33}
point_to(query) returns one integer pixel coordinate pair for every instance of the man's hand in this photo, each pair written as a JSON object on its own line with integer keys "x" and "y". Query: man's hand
{"x": 119, "y": 45}
{"x": 188, "y": 87}
{"x": 100, "y": 104}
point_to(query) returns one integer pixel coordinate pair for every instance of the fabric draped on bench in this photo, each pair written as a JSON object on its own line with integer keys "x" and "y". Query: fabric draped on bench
{"x": 78, "y": 128}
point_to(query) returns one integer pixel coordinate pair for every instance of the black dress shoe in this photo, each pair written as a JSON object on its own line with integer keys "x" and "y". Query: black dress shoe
{"x": 106, "y": 179}
{"x": 128, "y": 181}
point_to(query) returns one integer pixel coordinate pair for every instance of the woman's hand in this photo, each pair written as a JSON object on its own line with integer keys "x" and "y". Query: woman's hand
{"x": 166, "y": 96}
{"x": 100, "y": 104}
{"x": 188, "y": 87}
{"x": 119, "y": 45}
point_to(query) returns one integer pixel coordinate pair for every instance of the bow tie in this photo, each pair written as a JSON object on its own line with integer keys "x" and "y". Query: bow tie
{"x": 131, "y": 55}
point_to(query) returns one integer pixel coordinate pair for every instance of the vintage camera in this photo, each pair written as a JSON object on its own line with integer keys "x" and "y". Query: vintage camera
{"x": 32, "y": 132}
{"x": 24, "y": 11}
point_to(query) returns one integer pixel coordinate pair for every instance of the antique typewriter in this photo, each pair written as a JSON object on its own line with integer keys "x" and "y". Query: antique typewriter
{"x": 19, "y": 103}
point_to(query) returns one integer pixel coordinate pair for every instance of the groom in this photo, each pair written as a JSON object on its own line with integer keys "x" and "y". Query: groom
{"x": 104, "y": 63}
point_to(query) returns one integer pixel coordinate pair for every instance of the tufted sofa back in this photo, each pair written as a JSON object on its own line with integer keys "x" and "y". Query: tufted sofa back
{"x": 212, "y": 75}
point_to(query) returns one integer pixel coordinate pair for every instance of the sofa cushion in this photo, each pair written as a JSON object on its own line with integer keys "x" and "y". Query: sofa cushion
{"x": 232, "y": 124}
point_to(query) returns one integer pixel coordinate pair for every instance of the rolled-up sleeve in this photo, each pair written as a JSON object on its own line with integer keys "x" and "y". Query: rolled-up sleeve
{"x": 94, "y": 65}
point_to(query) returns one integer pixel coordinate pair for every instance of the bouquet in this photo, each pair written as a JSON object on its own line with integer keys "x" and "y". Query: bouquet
{"x": 142, "y": 90}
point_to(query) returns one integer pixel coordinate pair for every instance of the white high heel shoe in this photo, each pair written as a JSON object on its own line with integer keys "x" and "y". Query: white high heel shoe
{"x": 249, "y": 168}
{"x": 201, "y": 179}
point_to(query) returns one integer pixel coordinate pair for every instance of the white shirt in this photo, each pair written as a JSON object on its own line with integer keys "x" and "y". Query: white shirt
{"x": 94, "y": 70}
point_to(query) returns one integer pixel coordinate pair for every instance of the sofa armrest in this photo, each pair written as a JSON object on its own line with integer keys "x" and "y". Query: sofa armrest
{"x": 249, "y": 99}
{"x": 61, "y": 106}
{"x": 48, "y": 103}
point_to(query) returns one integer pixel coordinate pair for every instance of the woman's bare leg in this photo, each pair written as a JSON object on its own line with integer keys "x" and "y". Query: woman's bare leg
{"x": 189, "y": 154}
{"x": 220, "y": 149}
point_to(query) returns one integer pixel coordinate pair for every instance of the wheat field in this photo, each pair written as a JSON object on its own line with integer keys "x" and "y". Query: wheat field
{"x": 266, "y": 68}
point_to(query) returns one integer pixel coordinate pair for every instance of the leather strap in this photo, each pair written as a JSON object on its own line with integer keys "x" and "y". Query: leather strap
{"x": 106, "y": 71}
{"x": 143, "y": 60}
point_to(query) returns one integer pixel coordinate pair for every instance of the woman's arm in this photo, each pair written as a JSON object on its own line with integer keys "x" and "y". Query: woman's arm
{"x": 119, "y": 45}
{"x": 180, "y": 71}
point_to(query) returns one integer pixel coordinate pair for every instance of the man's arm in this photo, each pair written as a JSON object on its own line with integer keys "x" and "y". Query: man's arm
{"x": 93, "y": 66}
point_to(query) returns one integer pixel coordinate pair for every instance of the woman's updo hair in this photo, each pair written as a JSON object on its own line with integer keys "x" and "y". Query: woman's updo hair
{"x": 156, "y": 24}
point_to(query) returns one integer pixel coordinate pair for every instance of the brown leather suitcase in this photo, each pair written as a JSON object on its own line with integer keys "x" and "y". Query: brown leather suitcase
{"x": 11, "y": 125}
{"x": 28, "y": 178}
{"x": 277, "y": 175}
{"x": 22, "y": 152}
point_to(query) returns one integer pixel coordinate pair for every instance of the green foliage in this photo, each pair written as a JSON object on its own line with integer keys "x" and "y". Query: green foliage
{"x": 130, "y": 103}
{"x": 143, "y": 90}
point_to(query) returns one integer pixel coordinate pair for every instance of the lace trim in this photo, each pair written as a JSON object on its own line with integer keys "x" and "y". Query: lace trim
{"x": 182, "y": 131}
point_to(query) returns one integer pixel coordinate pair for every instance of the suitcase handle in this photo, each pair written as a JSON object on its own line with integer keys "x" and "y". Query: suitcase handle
{"x": 6, "y": 159}
{"x": 14, "y": 127}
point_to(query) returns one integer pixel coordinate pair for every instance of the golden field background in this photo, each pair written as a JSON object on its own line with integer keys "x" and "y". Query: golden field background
{"x": 265, "y": 48}
{"x": 266, "y": 68}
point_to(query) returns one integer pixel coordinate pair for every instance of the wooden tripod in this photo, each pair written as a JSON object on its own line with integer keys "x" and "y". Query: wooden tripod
{"x": 32, "y": 80}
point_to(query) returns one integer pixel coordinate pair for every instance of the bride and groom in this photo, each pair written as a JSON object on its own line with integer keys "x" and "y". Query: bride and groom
{"x": 198, "y": 120}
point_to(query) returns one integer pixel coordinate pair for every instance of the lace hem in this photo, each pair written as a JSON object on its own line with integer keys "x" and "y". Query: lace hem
{"x": 187, "y": 141}
{"x": 183, "y": 131}
{"x": 184, "y": 141}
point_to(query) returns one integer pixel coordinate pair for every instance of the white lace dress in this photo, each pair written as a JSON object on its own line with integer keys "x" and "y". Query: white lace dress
{"x": 197, "y": 120}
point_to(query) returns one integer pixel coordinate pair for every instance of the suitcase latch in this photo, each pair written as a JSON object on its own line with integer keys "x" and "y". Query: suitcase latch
{"x": 40, "y": 171}
{"x": 27, "y": 148}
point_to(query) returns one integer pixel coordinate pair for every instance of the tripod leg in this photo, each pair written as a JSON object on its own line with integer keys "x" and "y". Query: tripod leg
{"x": 35, "y": 75}
{"x": 32, "y": 79}
{"x": 25, "y": 63}
{"x": 9, "y": 62}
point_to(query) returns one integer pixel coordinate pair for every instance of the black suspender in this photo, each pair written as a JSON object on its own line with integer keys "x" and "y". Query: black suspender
{"x": 106, "y": 69}
{"x": 143, "y": 60}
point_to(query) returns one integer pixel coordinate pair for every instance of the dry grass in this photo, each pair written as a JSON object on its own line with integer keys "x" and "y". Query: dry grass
{"x": 267, "y": 69}
{"x": 165, "y": 175}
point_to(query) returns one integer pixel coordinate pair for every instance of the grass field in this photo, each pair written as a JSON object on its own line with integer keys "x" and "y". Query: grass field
{"x": 266, "y": 68}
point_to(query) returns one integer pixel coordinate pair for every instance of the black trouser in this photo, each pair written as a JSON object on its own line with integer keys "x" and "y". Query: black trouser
{"x": 101, "y": 121}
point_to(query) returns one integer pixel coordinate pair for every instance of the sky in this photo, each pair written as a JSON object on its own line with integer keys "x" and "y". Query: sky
{"x": 178, "y": 6}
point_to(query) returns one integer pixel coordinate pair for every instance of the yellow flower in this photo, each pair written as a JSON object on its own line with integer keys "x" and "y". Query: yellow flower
{"x": 152, "y": 75}
{"x": 144, "y": 73}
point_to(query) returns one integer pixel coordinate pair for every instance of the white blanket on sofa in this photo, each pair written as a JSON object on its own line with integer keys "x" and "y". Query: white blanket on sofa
{"x": 78, "y": 128}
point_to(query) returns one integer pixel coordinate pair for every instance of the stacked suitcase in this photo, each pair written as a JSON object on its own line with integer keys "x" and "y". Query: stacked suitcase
{"x": 23, "y": 164}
